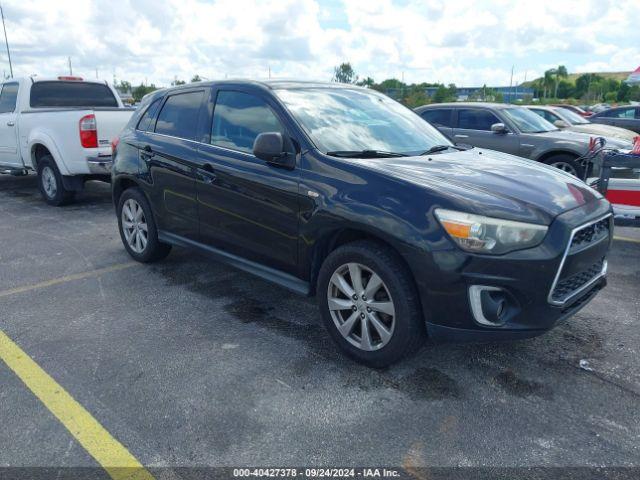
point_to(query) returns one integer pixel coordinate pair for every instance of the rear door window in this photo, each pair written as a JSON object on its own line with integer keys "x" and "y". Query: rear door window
{"x": 238, "y": 118}
{"x": 71, "y": 94}
{"x": 438, "y": 117}
{"x": 8, "y": 97}
{"x": 179, "y": 115}
{"x": 143, "y": 123}
{"x": 476, "y": 119}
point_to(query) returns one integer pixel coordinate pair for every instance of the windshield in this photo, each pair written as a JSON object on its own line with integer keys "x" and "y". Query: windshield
{"x": 345, "y": 119}
{"x": 572, "y": 117}
{"x": 527, "y": 121}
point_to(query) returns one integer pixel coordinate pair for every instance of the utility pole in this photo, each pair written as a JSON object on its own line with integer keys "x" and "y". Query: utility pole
{"x": 269, "y": 71}
{"x": 70, "y": 69}
{"x": 510, "y": 86}
{"x": 6, "y": 41}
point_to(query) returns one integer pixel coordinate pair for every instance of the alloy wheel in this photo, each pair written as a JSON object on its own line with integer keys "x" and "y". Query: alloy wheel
{"x": 361, "y": 306}
{"x": 565, "y": 167}
{"x": 134, "y": 226}
{"x": 49, "y": 182}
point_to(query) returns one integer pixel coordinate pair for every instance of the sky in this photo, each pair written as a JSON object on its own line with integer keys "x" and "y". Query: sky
{"x": 466, "y": 42}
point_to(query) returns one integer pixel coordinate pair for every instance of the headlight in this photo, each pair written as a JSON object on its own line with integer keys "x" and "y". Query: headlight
{"x": 476, "y": 233}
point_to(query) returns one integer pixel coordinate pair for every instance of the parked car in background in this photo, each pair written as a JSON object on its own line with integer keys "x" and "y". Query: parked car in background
{"x": 512, "y": 129}
{"x": 599, "y": 107}
{"x": 626, "y": 117}
{"x": 341, "y": 192}
{"x": 575, "y": 109}
{"x": 60, "y": 128}
{"x": 570, "y": 121}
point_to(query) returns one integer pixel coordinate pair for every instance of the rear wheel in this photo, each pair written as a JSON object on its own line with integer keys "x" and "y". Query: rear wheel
{"x": 138, "y": 229}
{"x": 50, "y": 183}
{"x": 369, "y": 303}
{"x": 566, "y": 163}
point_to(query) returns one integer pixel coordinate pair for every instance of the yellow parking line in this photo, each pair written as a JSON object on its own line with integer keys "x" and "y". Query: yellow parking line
{"x": 93, "y": 437}
{"x": 626, "y": 239}
{"x": 67, "y": 278}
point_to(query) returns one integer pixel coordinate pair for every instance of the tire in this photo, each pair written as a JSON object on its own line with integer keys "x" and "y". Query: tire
{"x": 404, "y": 329}
{"x": 566, "y": 163}
{"x": 138, "y": 229}
{"x": 50, "y": 183}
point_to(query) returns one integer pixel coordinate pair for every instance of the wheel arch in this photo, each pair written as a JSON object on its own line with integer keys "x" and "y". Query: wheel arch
{"x": 120, "y": 185}
{"x": 41, "y": 144}
{"x": 552, "y": 153}
{"x": 339, "y": 236}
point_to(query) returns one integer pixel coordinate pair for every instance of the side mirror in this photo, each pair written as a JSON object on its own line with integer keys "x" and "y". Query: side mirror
{"x": 499, "y": 128}
{"x": 269, "y": 146}
{"x": 561, "y": 124}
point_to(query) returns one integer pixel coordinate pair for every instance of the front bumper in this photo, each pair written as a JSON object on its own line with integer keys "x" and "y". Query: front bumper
{"x": 526, "y": 278}
{"x": 100, "y": 165}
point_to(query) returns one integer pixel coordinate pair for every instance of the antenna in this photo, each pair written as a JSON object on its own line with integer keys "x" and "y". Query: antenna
{"x": 6, "y": 40}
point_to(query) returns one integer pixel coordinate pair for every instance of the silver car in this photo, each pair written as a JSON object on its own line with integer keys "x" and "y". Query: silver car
{"x": 570, "y": 121}
{"x": 512, "y": 129}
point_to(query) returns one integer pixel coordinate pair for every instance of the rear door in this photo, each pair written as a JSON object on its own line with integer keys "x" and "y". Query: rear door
{"x": 246, "y": 206}
{"x": 171, "y": 154}
{"x": 8, "y": 126}
{"x": 440, "y": 118}
{"x": 473, "y": 126}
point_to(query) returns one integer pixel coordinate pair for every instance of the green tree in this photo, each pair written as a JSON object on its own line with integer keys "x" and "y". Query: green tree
{"x": 177, "y": 82}
{"x": 196, "y": 78}
{"x": 142, "y": 90}
{"x": 366, "y": 82}
{"x": 344, "y": 73}
{"x": 561, "y": 72}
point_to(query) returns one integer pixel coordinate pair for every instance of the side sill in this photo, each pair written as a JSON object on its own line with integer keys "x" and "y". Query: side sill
{"x": 276, "y": 276}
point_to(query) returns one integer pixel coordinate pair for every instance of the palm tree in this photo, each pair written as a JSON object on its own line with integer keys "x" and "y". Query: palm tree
{"x": 547, "y": 81}
{"x": 561, "y": 72}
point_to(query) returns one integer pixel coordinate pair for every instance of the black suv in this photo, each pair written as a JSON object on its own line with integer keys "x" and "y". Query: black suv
{"x": 341, "y": 192}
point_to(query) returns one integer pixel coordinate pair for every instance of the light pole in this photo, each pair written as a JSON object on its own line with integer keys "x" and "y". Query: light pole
{"x": 6, "y": 41}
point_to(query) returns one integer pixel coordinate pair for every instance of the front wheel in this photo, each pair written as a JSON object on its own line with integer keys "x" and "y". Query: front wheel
{"x": 50, "y": 183}
{"x": 369, "y": 303}
{"x": 138, "y": 229}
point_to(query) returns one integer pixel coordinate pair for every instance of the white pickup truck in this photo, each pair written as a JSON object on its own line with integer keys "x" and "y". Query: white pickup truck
{"x": 60, "y": 128}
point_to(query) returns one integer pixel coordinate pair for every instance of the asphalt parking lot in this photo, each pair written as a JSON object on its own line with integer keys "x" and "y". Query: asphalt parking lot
{"x": 191, "y": 363}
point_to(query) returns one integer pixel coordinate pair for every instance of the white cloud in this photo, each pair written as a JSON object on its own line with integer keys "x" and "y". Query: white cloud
{"x": 464, "y": 41}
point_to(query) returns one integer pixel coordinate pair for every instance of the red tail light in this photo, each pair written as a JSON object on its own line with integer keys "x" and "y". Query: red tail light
{"x": 88, "y": 131}
{"x": 114, "y": 144}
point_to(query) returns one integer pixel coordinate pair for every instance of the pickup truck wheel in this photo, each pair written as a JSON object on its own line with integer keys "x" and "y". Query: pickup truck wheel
{"x": 50, "y": 183}
{"x": 566, "y": 163}
{"x": 138, "y": 229}
{"x": 369, "y": 303}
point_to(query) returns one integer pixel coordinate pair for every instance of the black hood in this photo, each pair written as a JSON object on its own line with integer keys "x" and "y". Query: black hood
{"x": 492, "y": 183}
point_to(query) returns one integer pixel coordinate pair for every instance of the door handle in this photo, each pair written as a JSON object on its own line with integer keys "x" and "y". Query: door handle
{"x": 207, "y": 174}
{"x": 461, "y": 136}
{"x": 10, "y": 124}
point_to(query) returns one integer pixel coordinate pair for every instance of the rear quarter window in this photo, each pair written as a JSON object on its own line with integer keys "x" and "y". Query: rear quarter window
{"x": 71, "y": 94}
{"x": 179, "y": 115}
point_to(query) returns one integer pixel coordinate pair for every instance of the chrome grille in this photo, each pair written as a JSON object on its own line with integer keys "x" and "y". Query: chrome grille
{"x": 566, "y": 287}
{"x": 590, "y": 234}
{"x": 582, "y": 238}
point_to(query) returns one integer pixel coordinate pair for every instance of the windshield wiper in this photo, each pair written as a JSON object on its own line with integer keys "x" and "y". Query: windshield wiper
{"x": 442, "y": 148}
{"x": 364, "y": 154}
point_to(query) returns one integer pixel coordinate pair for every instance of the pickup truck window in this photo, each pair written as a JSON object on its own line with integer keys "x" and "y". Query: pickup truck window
{"x": 238, "y": 118}
{"x": 143, "y": 124}
{"x": 71, "y": 94}
{"x": 8, "y": 97}
{"x": 179, "y": 115}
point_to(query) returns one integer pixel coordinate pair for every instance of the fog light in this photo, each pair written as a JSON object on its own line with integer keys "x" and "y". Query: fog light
{"x": 489, "y": 305}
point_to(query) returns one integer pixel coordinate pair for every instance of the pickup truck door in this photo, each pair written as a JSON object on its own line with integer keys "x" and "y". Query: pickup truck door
{"x": 9, "y": 155}
{"x": 473, "y": 126}
{"x": 247, "y": 207}
{"x": 171, "y": 157}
